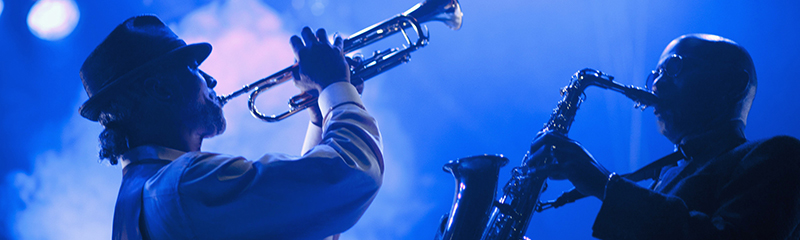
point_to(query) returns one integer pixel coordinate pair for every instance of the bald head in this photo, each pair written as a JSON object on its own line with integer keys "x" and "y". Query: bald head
{"x": 706, "y": 79}
{"x": 715, "y": 52}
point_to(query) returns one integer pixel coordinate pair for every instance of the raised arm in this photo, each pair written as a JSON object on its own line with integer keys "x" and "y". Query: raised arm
{"x": 321, "y": 193}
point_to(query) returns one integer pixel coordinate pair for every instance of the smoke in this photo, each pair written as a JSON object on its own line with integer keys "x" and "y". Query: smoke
{"x": 69, "y": 195}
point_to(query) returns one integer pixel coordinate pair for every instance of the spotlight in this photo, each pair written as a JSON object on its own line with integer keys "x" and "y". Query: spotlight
{"x": 53, "y": 19}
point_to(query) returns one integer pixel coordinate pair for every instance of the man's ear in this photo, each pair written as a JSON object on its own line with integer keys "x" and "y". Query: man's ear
{"x": 158, "y": 89}
{"x": 738, "y": 84}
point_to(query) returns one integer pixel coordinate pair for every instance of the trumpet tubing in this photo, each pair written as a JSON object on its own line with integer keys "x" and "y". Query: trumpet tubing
{"x": 446, "y": 11}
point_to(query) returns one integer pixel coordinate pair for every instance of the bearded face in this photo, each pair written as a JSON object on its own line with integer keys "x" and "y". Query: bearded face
{"x": 209, "y": 118}
{"x": 201, "y": 111}
{"x": 207, "y": 111}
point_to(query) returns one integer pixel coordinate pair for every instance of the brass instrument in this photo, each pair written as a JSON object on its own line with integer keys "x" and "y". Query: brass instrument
{"x": 447, "y": 11}
{"x": 508, "y": 217}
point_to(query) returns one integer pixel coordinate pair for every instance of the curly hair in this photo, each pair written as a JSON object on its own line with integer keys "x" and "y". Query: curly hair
{"x": 114, "y": 138}
{"x": 117, "y": 118}
{"x": 126, "y": 110}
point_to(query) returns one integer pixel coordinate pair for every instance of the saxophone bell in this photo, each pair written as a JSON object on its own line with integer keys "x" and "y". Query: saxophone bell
{"x": 471, "y": 204}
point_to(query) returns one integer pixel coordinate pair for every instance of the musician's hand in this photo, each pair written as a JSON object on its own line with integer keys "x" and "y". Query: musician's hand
{"x": 574, "y": 163}
{"x": 358, "y": 83}
{"x": 321, "y": 63}
{"x": 360, "y": 88}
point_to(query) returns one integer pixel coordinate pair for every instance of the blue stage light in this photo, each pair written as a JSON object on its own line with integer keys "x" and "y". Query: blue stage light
{"x": 1, "y": 7}
{"x": 53, "y": 19}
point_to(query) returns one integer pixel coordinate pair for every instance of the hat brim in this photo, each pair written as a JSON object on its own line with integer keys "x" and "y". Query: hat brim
{"x": 92, "y": 107}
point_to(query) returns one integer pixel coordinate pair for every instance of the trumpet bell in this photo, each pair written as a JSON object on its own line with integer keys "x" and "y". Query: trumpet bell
{"x": 446, "y": 11}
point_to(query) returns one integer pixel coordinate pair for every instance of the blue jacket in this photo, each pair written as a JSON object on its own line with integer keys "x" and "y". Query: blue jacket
{"x": 168, "y": 194}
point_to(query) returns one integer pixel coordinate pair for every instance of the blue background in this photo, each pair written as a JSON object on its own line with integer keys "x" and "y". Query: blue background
{"x": 487, "y": 88}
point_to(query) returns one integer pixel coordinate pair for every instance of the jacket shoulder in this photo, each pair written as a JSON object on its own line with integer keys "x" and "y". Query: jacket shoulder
{"x": 778, "y": 146}
{"x": 775, "y": 152}
{"x": 782, "y": 140}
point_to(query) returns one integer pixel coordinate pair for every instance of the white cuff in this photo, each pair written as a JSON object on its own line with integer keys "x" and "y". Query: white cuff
{"x": 313, "y": 137}
{"x": 336, "y": 94}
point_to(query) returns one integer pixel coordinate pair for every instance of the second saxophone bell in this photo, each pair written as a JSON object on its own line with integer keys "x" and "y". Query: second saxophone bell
{"x": 447, "y": 11}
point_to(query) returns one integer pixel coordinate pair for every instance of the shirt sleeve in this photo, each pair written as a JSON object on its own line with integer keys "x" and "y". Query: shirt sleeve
{"x": 321, "y": 193}
{"x": 759, "y": 200}
{"x": 313, "y": 137}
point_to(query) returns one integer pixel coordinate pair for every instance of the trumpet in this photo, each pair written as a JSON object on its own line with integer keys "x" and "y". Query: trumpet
{"x": 446, "y": 11}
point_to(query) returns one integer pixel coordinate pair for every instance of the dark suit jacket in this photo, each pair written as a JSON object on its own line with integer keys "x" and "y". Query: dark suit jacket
{"x": 749, "y": 192}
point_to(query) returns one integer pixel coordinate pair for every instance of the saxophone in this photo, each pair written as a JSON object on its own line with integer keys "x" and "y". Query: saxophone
{"x": 474, "y": 213}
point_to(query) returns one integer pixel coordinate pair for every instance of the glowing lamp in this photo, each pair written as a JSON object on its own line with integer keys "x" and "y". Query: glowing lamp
{"x": 53, "y": 19}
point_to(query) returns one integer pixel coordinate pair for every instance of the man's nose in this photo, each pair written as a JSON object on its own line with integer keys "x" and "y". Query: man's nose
{"x": 656, "y": 84}
{"x": 661, "y": 82}
{"x": 210, "y": 81}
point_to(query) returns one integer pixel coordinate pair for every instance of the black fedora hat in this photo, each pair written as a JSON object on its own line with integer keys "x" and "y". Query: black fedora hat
{"x": 133, "y": 48}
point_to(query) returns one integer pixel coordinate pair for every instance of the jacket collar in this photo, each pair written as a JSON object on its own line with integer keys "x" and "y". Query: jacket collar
{"x": 714, "y": 142}
{"x": 149, "y": 152}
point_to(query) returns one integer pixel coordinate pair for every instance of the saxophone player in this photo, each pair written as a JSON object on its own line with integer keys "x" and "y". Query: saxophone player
{"x": 727, "y": 187}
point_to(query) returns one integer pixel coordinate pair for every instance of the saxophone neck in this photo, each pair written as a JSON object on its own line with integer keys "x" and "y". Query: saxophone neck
{"x": 573, "y": 94}
{"x": 571, "y": 98}
{"x": 643, "y": 97}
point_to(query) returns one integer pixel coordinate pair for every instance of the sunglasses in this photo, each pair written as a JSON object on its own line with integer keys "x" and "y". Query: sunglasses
{"x": 672, "y": 68}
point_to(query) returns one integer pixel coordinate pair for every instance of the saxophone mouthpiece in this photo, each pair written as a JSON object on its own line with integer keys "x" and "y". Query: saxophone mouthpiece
{"x": 642, "y": 97}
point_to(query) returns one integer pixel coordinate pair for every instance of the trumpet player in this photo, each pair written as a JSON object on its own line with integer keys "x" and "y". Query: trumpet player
{"x": 145, "y": 87}
{"x": 726, "y": 187}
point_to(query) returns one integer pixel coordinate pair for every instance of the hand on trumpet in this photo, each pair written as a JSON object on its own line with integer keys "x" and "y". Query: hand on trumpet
{"x": 321, "y": 63}
{"x": 574, "y": 163}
